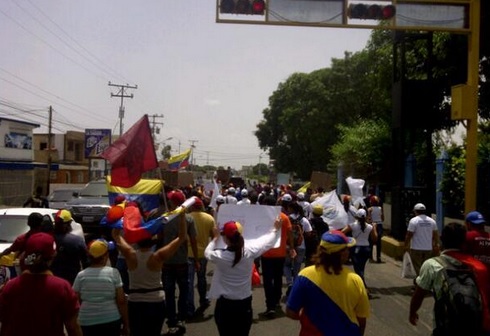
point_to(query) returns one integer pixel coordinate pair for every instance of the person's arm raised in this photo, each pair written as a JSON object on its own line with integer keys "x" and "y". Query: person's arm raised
{"x": 126, "y": 250}
{"x": 168, "y": 250}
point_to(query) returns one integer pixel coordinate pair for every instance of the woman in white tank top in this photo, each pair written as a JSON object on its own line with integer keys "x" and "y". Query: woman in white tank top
{"x": 361, "y": 232}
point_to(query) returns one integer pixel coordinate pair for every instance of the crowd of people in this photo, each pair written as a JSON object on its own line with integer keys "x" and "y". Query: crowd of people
{"x": 75, "y": 284}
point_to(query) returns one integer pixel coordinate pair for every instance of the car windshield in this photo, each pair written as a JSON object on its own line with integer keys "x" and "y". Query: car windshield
{"x": 95, "y": 189}
{"x": 61, "y": 195}
{"x": 12, "y": 226}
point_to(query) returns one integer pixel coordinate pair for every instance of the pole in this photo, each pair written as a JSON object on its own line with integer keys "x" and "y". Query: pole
{"x": 122, "y": 95}
{"x": 48, "y": 179}
{"x": 472, "y": 126}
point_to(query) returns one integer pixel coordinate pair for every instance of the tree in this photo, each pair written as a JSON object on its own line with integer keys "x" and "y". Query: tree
{"x": 362, "y": 148}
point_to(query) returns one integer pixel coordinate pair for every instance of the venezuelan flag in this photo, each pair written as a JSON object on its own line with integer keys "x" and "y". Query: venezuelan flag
{"x": 329, "y": 303}
{"x": 146, "y": 192}
{"x": 179, "y": 161}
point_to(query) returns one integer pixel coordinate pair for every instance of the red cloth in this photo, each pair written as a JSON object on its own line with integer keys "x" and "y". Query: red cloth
{"x": 36, "y": 304}
{"x": 133, "y": 231}
{"x": 478, "y": 245}
{"x": 482, "y": 279}
{"x": 131, "y": 155}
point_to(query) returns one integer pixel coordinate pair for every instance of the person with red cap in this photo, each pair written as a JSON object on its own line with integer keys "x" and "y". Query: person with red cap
{"x": 51, "y": 300}
{"x": 205, "y": 225}
{"x": 175, "y": 270}
{"x": 231, "y": 284}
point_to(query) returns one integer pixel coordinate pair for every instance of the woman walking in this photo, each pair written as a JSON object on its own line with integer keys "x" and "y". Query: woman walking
{"x": 146, "y": 301}
{"x": 232, "y": 280}
{"x": 99, "y": 288}
{"x": 361, "y": 232}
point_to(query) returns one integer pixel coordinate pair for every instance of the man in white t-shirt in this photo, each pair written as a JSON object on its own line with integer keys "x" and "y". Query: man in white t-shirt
{"x": 422, "y": 238}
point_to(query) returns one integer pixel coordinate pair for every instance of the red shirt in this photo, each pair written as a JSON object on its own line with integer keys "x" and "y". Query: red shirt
{"x": 36, "y": 304}
{"x": 482, "y": 277}
{"x": 478, "y": 245}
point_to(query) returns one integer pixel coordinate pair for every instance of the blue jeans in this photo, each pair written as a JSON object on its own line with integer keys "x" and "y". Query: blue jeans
{"x": 146, "y": 318}
{"x": 173, "y": 275}
{"x": 293, "y": 266}
{"x": 202, "y": 285}
{"x": 360, "y": 257}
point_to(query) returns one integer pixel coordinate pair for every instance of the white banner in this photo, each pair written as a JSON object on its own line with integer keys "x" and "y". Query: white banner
{"x": 256, "y": 220}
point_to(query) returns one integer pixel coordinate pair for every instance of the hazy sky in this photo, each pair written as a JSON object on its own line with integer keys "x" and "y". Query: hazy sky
{"x": 210, "y": 81}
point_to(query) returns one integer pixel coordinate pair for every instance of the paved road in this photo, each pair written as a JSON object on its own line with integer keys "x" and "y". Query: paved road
{"x": 389, "y": 308}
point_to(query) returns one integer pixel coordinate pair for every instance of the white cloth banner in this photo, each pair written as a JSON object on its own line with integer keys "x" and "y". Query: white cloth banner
{"x": 333, "y": 210}
{"x": 256, "y": 220}
{"x": 355, "y": 188}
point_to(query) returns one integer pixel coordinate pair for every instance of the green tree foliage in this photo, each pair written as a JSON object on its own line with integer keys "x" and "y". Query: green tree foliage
{"x": 300, "y": 124}
{"x": 362, "y": 148}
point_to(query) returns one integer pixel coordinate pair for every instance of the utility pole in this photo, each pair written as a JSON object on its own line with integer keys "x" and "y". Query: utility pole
{"x": 192, "y": 151}
{"x": 48, "y": 180}
{"x": 121, "y": 93}
{"x": 155, "y": 129}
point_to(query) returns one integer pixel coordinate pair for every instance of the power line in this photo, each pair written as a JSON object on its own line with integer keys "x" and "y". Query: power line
{"x": 111, "y": 73}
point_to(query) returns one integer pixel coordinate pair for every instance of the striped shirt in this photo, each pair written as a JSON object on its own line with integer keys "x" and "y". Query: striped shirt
{"x": 97, "y": 289}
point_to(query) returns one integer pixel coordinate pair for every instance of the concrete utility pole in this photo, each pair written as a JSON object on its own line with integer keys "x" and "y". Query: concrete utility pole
{"x": 122, "y": 95}
{"x": 50, "y": 121}
{"x": 192, "y": 150}
{"x": 154, "y": 124}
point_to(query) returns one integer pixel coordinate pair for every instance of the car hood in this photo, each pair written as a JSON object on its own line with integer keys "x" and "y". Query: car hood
{"x": 89, "y": 201}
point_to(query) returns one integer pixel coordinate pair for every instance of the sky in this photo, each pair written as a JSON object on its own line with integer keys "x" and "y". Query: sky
{"x": 210, "y": 81}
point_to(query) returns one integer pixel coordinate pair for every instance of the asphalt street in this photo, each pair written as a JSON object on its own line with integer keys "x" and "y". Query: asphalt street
{"x": 389, "y": 308}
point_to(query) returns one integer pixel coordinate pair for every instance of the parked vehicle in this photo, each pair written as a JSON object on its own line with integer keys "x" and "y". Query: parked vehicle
{"x": 89, "y": 207}
{"x": 13, "y": 223}
{"x": 59, "y": 197}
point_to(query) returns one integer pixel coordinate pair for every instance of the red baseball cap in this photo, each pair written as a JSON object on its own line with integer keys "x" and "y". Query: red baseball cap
{"x": 231, "y": 228}
{"x": 198, "y": 204}
{"x": 39, "y": 244}
{"x": 177, "y": 197}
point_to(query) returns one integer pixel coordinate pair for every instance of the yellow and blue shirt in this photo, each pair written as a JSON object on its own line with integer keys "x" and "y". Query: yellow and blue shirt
{"x": 329, "y": 304}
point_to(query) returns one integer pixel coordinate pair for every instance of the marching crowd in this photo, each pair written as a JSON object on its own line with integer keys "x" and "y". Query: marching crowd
{"x": 69, "y": 286}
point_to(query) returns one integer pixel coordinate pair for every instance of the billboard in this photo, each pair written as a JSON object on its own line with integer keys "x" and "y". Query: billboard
{"x": 96, "y": 141}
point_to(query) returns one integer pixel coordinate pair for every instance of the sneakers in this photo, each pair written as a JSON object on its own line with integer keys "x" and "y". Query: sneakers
{"x": 270, "y": 313}
{"x": 179, "y": 329}
{"x": 202, "y": 308}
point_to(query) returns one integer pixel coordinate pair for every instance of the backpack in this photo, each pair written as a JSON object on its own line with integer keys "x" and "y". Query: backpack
{"x": 297, "y": 230}
{"x": 458, "y": 311}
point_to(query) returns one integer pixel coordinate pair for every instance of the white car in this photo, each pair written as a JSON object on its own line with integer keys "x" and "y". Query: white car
{"x": 13, "y": 223}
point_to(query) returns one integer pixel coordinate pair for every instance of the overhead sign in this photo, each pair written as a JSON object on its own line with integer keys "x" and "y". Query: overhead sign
{"x": 96, "y": 141}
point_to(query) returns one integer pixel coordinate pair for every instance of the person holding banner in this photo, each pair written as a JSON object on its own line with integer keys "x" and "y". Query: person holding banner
{"x": 146, "y": 301}
{"x": 232, "y": 280}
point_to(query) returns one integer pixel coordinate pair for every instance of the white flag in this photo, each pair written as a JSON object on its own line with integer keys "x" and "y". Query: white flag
{"x": 333, "y": 210}
{"x": 355, "y": 188}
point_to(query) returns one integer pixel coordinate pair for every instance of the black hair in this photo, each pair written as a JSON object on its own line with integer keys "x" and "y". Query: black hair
{"x": 236, "y": 244}
{"x": 453, "y": 235}
{"x": 362, "y": 222}
{"x": 34, "y": 220}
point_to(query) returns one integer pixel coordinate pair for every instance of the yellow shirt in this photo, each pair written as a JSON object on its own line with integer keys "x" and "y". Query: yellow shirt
{"x": 204, "y": 227}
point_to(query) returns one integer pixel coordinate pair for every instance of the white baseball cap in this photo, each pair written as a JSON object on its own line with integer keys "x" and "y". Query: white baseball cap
{"x": 419, "y": 207}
